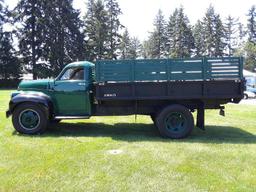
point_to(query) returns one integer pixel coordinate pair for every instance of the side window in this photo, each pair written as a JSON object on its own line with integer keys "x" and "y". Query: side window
{"x": 73, "y": 74}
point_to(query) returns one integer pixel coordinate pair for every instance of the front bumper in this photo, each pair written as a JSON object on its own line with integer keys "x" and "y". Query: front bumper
{"x": 8, "y": 113}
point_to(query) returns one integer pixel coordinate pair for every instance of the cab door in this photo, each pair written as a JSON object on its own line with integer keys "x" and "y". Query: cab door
{"x": 71, "y": 93}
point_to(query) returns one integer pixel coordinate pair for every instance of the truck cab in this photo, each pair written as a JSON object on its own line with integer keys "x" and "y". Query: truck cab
{"x": 67, "y": 96}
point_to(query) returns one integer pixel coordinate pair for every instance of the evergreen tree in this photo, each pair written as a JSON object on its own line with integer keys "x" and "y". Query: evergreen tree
{"x": 252, "y": 24}
{"x": 147, "y": 49}
{"x": 125, "y": 45}
{"x": 29, "y": 13}
{"x": 96, "y": 30}
{"x": 219, "y": 37}
{"x": 114, "y": 26}
{"x": 180, "y": 37}
{"x": 198, "y": 34}
{"x": 241, "y": 40}
{"x": 208, "y": 23}
{"x": 64, "y": 41}
{"x": 9, "y": 63}
{"x": 241, "y": 34}
{"x": 135, "y": 48}
{"x": 172, "y": 40}
{"x": 231, "y": 35}
{"x": 250, "y": 59}
{"x": 213, "y": 33}
{"x": 158, "y": 37}
{"x": 250, "y": 46}
{"x": 130, "y": 48}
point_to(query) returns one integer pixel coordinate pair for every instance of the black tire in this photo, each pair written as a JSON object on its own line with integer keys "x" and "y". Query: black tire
{"x": 182, "y": 114}
{"x": 245, "y": 96}
{"x": 40, "y": 114}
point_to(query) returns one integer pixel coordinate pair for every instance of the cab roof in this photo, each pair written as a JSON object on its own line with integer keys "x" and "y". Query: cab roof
{"x": 80, "y": 64}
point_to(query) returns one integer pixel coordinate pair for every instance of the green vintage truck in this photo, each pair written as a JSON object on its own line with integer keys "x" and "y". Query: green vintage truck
{"x": 168, "y": 90}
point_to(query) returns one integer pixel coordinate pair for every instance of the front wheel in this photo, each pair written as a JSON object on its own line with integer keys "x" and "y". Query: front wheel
{"x": 30, "y": 118}
{"x": 175, "y": 121}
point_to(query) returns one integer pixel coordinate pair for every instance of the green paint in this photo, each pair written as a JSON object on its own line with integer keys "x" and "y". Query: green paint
{"x": 169, "y": 69}
{"x": 70, "y": 97}
{"x": 35, "y": 85}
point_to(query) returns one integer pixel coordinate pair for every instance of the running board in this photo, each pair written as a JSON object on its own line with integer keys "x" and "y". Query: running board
{"x": 71, "y": 117}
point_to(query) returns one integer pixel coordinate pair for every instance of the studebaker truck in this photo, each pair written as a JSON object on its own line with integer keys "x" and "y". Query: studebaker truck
{"x": 168, "y": 90}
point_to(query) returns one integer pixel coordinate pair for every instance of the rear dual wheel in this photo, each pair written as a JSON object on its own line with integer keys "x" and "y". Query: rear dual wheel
{"x": 175, "y": 121}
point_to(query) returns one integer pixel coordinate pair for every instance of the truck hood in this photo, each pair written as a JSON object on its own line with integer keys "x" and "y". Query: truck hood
{"x": 42, "y": 84}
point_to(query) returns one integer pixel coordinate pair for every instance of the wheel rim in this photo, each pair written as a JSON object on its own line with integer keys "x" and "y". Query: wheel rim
{"x": 29, "y": 119}
{"x": 175, "y": 122}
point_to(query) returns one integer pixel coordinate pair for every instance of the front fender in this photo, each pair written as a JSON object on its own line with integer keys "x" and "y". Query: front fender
{"x": 33, "y": 97}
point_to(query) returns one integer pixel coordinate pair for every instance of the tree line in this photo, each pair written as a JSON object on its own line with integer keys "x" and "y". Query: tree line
{"x": 46, "y": 35}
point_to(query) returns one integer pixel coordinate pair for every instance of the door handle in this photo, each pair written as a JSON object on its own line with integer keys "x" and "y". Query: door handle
{"x": 81, "y": 84}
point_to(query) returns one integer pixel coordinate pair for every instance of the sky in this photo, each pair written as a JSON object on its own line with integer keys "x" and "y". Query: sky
{"x": 138, "y": 15}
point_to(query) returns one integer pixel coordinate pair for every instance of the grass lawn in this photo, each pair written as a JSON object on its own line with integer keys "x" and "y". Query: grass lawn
{"x": 117, "y": 154}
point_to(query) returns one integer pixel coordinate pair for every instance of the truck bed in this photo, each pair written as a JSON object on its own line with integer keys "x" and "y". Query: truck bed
{"x": 167, "y": 79}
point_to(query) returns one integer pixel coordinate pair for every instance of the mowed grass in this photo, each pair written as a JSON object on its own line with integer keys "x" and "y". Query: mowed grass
{"x": 119, "y": 154}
